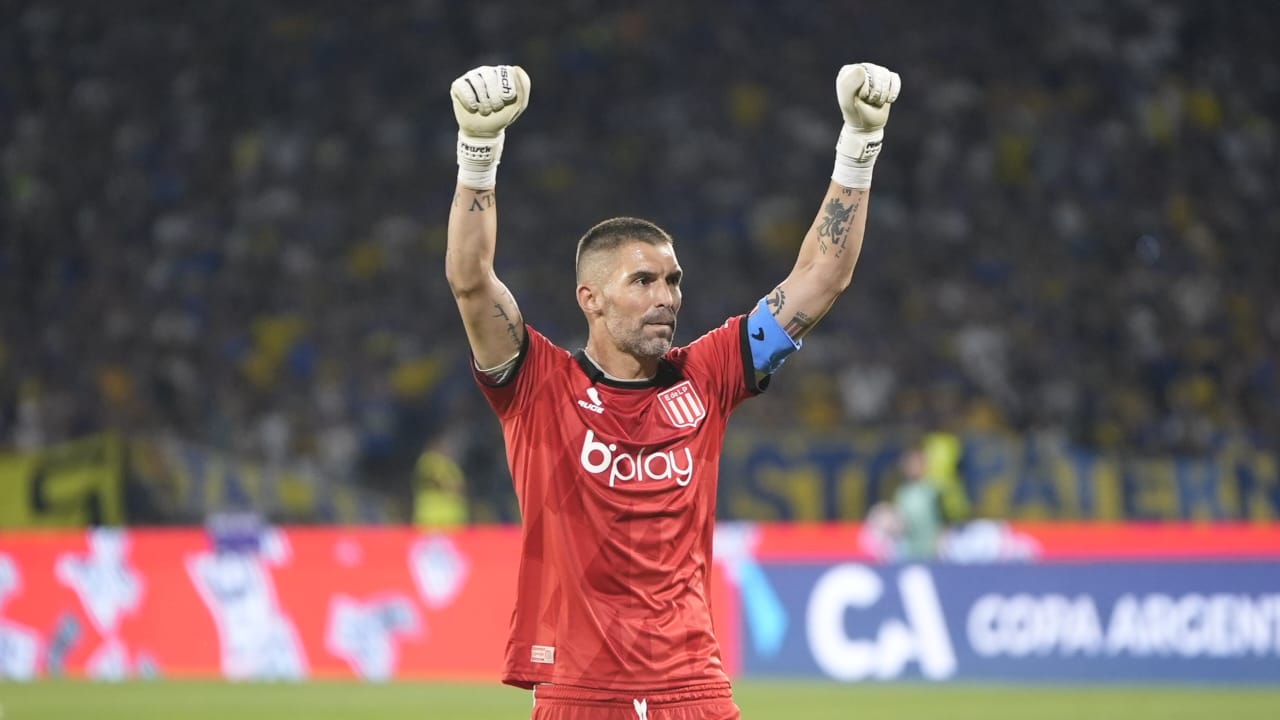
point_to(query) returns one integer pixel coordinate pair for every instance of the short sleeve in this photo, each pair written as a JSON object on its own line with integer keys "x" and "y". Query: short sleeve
{"x": 536, "y": 362}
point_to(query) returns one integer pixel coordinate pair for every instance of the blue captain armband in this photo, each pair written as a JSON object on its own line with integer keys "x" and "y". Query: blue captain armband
{"x": 770, "y": 344}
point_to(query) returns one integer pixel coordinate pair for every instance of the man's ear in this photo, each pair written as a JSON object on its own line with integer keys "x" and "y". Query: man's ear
{"x": 589, "y": 300}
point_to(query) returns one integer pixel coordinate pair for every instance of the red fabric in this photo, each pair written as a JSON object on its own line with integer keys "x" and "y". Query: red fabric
{"x": 558, "y": 702}
{"x": 618, "y": 507}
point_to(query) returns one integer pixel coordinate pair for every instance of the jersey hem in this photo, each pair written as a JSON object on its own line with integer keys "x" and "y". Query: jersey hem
{"x": 528, "y": 682}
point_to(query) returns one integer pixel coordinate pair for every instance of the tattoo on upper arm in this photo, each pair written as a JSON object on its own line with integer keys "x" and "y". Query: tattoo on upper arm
{"x": 481, "y": 201}
{"x": 833, "y": 228}
{"x": 776, "y": 300}
{"x": 500, "y": 312}
{"x": 799, "y": 324}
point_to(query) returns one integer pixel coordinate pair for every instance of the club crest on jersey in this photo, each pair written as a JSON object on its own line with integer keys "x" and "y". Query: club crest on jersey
{"x": 682, "y": 405}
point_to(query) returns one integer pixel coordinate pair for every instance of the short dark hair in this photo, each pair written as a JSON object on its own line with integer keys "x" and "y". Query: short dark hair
{"x": 612, "y": 233}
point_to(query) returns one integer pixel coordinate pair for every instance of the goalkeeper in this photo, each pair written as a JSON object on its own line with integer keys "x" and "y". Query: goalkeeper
{"x": 614, "y": 448}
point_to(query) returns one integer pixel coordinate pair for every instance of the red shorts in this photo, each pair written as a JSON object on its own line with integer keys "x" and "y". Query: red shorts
{"x": 563, "y": 702}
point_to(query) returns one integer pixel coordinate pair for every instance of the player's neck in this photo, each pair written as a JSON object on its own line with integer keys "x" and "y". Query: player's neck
{"x": 619, "y": 365}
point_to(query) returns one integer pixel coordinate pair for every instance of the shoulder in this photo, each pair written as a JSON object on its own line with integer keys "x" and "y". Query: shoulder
{"x": 543, "y": 350}
{"x": 714, "y": 342}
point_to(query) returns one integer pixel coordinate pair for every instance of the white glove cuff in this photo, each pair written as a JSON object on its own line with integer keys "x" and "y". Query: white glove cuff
{"x": 478, "y": 159}
{"x": 856, "y": 154}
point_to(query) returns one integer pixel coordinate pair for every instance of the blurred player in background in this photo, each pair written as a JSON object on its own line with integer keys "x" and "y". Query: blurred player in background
{"x": 439, "y": 486}
{"x": 614, "y": 448}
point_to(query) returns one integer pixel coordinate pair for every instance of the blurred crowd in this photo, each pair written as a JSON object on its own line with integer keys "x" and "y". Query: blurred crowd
{"x": 227, "y": 220}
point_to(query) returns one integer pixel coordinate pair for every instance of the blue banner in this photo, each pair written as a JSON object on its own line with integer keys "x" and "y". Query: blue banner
{"x": 793, "y": 476}
{"x": 1138, "y": 622}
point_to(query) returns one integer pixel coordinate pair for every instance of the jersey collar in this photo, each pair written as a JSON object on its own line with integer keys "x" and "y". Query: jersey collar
{"x": 666, "y": 376}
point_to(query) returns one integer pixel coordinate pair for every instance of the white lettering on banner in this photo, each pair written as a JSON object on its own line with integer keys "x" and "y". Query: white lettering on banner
{"x": 20, "y": 646}
{"x": 19, "y": 651}
{"x": 1024, "y": 625}
{"x": 103, "y": 580}
{"x": 10, "y": 580}
{"x": 256, "y": 637}
{"x": 923, "y": 636}
{"x": 439, "y": 570}
{"x": 364, "y": 633}
{"x": 1193, "y": 625}
{"x": 109, "y": 662}
{"x": 597, "y": 457}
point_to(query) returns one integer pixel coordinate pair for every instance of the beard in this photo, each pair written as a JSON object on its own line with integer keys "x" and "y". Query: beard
{"x": 631, "y": 336}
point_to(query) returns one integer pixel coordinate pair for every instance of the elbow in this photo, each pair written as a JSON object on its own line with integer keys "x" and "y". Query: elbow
{"x": 465, "y": 282}
{"x": 828, "y": 281}
{"x": 840, "y": 282}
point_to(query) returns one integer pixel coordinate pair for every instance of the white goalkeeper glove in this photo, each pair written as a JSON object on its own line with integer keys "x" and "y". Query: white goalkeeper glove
{"x": 865, "y": 92}
{"x": 485, "y": 101}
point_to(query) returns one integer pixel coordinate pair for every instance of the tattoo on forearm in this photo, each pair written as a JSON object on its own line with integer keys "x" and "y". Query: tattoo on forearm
{"x": 799, "y": 324}
{"x": 833, "y": 228}
{"x": 776, "y": 300}
{"x": 853, "y": 210}
{"x": 512, "y": 330}
{"x": 481, "y": 201}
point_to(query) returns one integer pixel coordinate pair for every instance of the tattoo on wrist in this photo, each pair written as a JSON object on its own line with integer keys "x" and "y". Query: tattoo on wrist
{"x": 776, "y": 300}
{"x": 799, "y": 324}
{"x": 481, "y": 201}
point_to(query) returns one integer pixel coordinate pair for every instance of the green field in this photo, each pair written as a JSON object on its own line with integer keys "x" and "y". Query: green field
{"x": 759, "y": 701}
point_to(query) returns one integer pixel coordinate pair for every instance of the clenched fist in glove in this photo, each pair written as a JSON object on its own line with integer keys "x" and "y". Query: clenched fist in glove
{"x": 485, "y": 101}
{"x": 865, "y": 93}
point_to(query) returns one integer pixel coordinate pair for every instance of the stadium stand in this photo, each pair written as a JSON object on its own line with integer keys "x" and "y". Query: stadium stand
{"x": 226, "y": 222}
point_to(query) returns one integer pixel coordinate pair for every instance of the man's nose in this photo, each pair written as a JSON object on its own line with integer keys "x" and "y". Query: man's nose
{"x": 664, "y": 296}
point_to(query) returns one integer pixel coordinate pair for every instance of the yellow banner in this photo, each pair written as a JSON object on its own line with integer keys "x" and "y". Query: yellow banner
{"x": 188, "y": 482}
{"x": 74, "y": 484}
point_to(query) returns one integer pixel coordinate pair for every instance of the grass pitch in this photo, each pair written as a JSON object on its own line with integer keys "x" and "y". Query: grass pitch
{"x": 59, "y": 700}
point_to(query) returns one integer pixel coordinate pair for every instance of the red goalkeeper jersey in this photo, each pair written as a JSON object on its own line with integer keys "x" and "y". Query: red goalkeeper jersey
{"x": 617, "y": 489}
